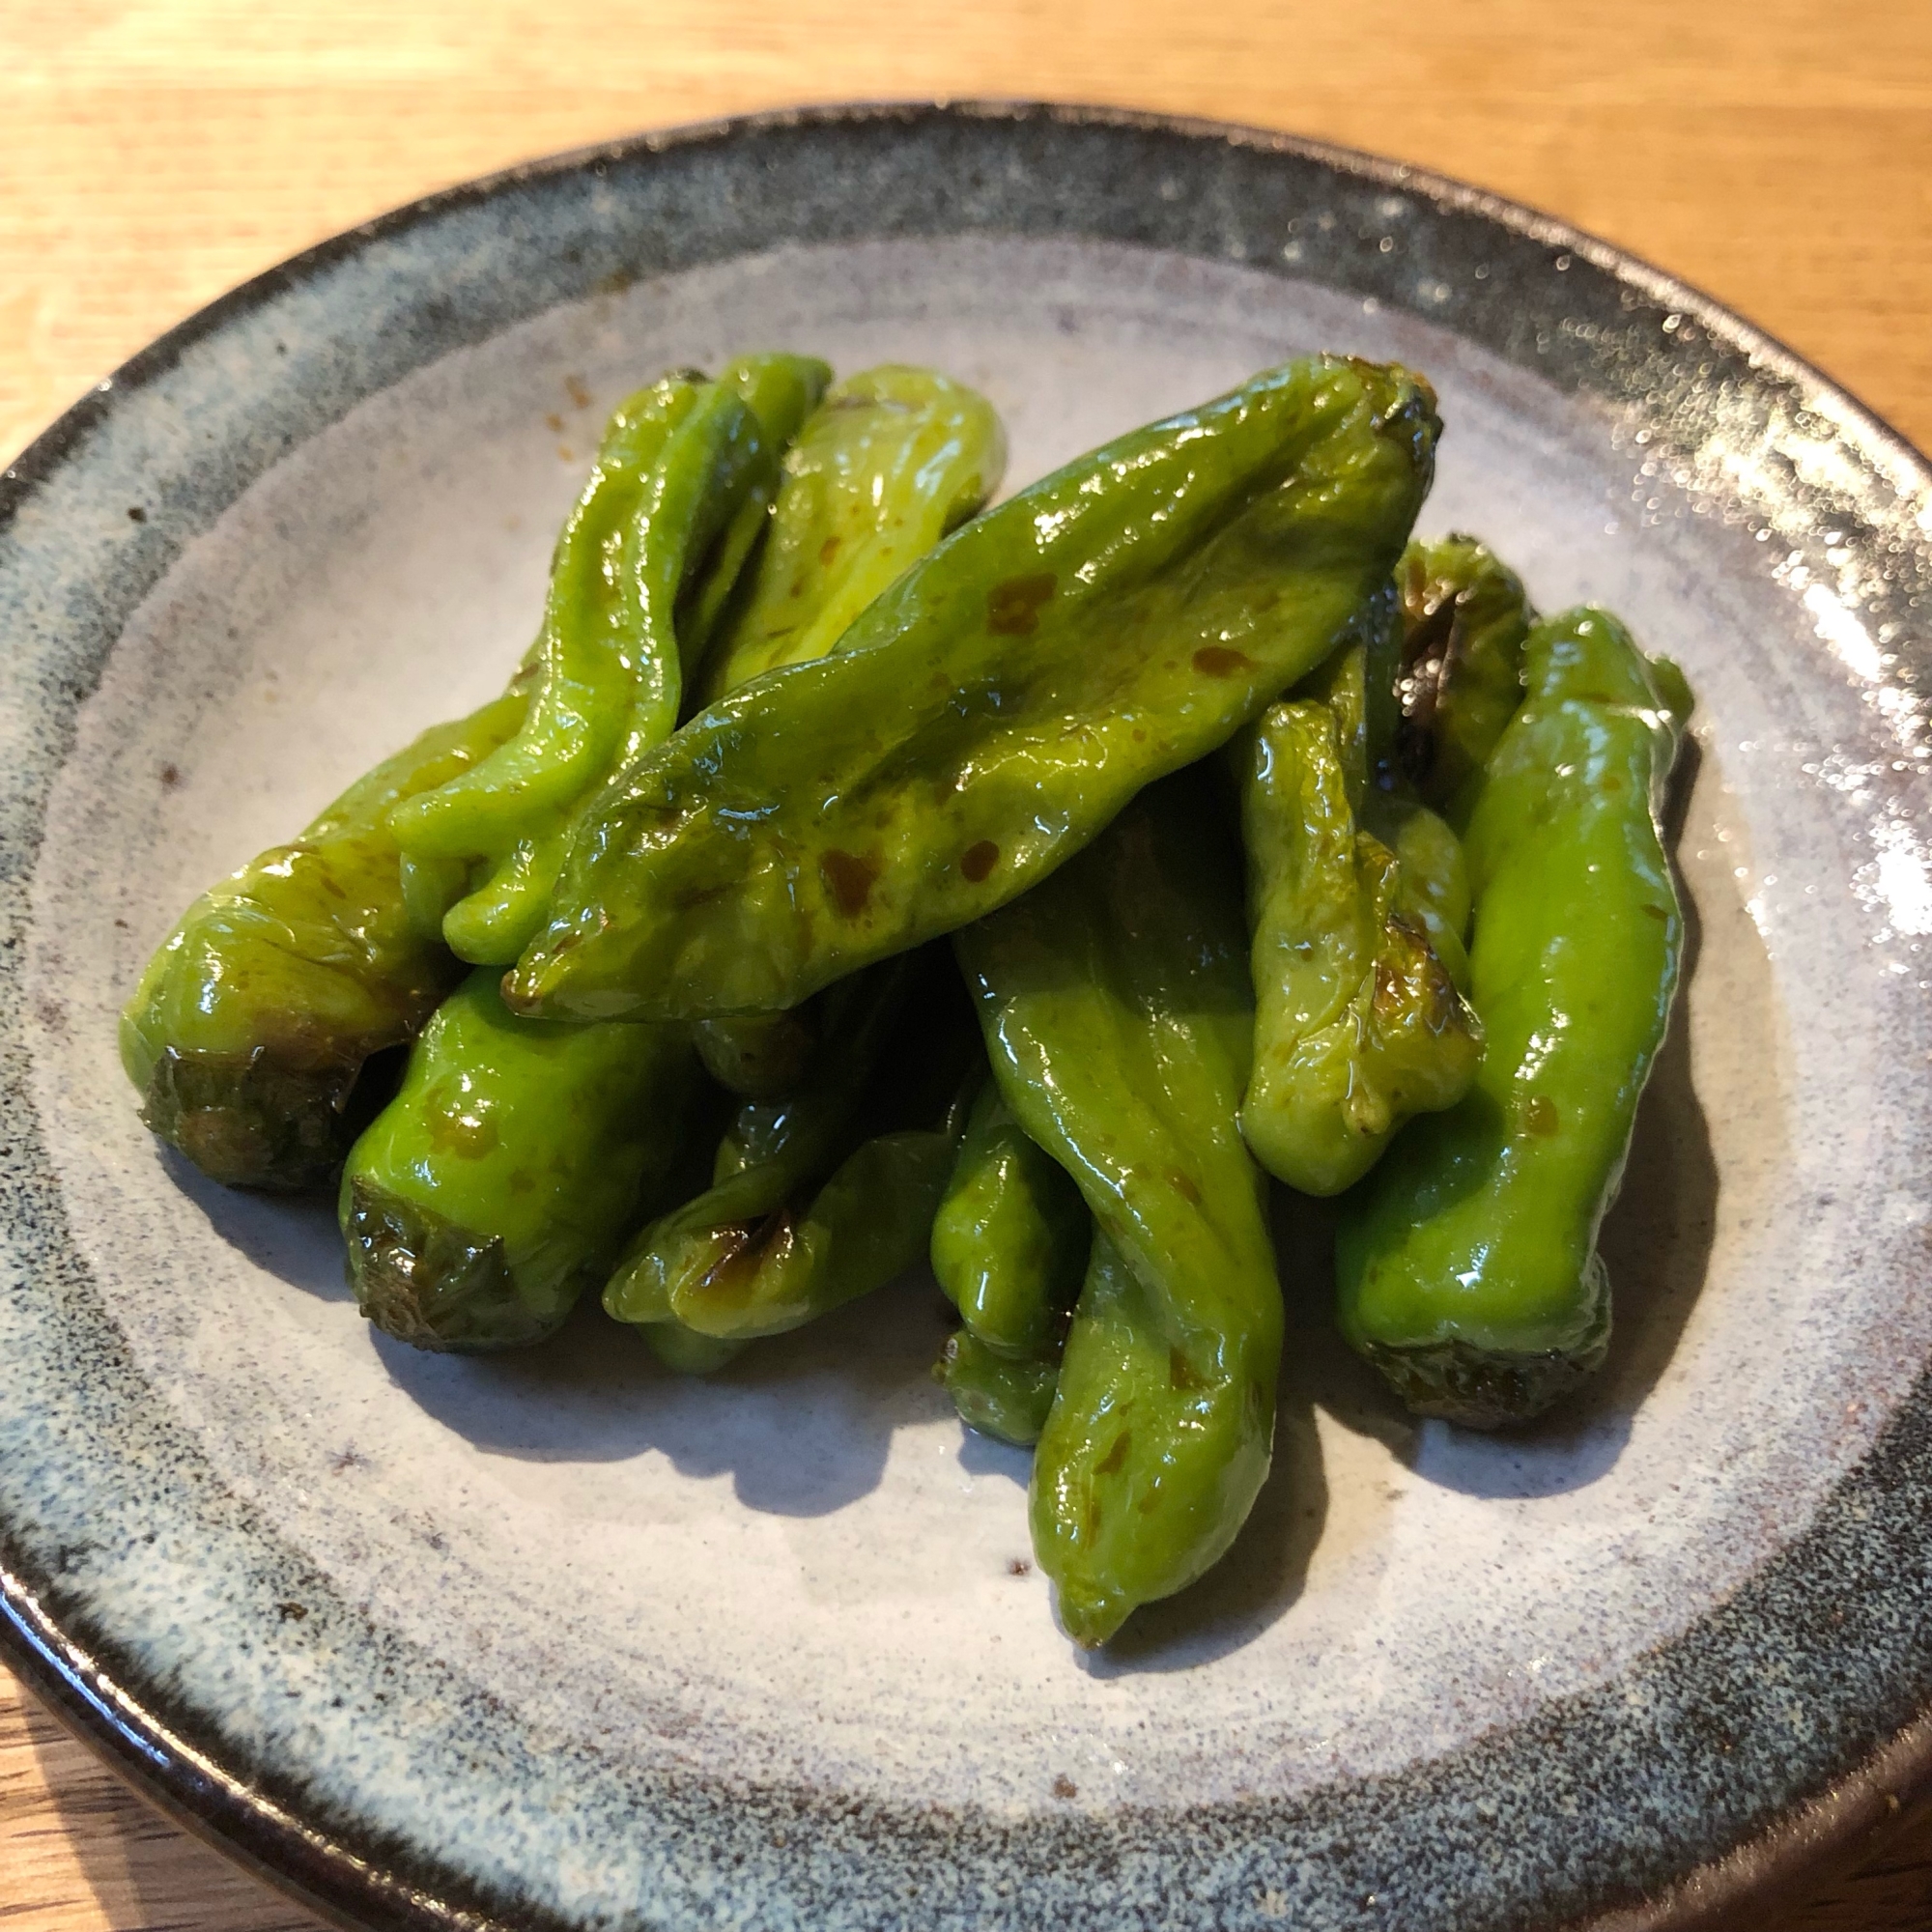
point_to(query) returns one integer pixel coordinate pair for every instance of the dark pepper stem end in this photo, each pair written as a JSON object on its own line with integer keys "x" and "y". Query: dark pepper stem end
{"x": 254, "y": 1122}
{"x": 1481, "y": 1388}
{"x": 430, "y": 1283}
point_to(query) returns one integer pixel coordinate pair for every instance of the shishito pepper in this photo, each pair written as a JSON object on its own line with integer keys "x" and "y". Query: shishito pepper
{"x": 1465, "y": 622}
{"x": 822, "y": 1198}
{"x": 500, "y": 1180}
{"x": 989, "y": 714}
{"x": 764, "y": 1056}
{"x": 1117, "y": 1011}
{"x": 1357, "y": 949}
{"x": 892, "y": 461}
{"x": 683, "y": 464}
{"x": 1358, "y": 1022}
{"x": 1466, "y": 1266}
{"x": 412, "y": 1232}
{"x": 1010, "y": 1246}
{"x": 249, "y": 1030}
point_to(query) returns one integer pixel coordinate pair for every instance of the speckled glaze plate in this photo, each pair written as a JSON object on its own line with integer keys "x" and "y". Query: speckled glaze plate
{"x": 557, "y": 1642}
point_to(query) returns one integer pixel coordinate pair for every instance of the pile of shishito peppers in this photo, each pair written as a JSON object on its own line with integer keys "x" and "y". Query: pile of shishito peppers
{"x": 868, "y": 866}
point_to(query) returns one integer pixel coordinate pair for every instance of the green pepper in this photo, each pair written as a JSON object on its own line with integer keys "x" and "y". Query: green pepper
{"x": 892, "y": 461}
{"x": 1117, "y": 1011}
{"x": 1007, "y": 1396}
{"x": 1358, "y": 1022}
{"x": 1431, "y": 880}
{"x": 1010, "y": 1245}
{"x": 994, "y": 709}
{"x": 505, "y": 1173}
{"x": 685, "y": 465}
{"x": 1465, "y": 620}
{"x": 764, "y": 1055}
{"x": 1364, "y": 685}
{"x": 252, "y": 1023}
{"x": 823, "y": 1197}
{"x": 1467, "y": 1267}
{"x": 438, "y": 1258}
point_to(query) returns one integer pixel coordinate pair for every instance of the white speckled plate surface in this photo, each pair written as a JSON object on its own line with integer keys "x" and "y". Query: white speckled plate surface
{"x": 558, "y": 1642}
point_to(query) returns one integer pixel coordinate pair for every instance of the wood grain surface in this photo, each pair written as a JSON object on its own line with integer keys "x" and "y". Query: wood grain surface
{"x": 1776, "y": 152}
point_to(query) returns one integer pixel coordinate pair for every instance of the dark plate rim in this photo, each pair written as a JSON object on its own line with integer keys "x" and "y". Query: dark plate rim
{"x": 322, "y": 1872}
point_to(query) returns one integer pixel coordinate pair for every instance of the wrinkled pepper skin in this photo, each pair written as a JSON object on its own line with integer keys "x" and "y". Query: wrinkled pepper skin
{"x": 250, "y": 1026}
{"x": 1005, "y": 1396}
{"x": 503, "y": 1177}
{"x": 1464, "y": 620}
{"x": 1467, "y": 1267}
{"x": 1358, "y": 1022}
{"x": 1010, "y": 1246}
{"x": 683, "y": 464}
{"x": 820, "y": 1199}
{"x": 680, "y": 493}
{"x": 892, "y": 461}
{"x": 1117, "y": 1015}
{"x": 1360, "y": 684}
{"x": 992, "y": 712}
{"x": 771, "y": 1151}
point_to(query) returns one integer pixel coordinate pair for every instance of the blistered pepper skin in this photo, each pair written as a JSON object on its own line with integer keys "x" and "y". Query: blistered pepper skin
{"x": 864, "y": 1226}
{"x": 1009, "y": 1242}
{"x": 772, "y": 1151}
{"x": 455, "y": 1247}
{"x": 824, "y": 1197}
{"x": 892, "y": 461}
{"x": 1117, "y": 1015}
{"x": 1005, "y": 1396}
{"x": 1466, "y": 1264}
{"x": 682, "y": 464}
{"x": 500, "y": 1180}
{"x": 1465, "y": 618}
{"x": 1009, "y": 1247}
{"x": 1358, "y": 1021}
{"x": 989, "y": 715}
{"x": 250, "y": 1026}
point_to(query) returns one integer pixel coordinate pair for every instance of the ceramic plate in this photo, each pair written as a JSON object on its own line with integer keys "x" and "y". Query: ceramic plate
{"x": 558, "y": 1641}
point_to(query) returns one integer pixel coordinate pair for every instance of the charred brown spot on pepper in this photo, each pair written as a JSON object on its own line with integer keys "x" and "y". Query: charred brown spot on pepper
{"x": 1221, "y": 661}
{"x": 744, "y": 1248}
{"x": 848, "y": 879}
{"x": 1181, "y": 1372}
{"x": 1409, "y": 976}
{"x": 1012, "y": 607}
{"x": 466, "y": 1136}
{"x": 977, "y": 860}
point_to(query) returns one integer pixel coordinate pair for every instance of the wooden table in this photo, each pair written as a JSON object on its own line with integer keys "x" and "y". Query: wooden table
{"x": 1777, "y": 152}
